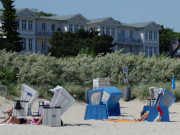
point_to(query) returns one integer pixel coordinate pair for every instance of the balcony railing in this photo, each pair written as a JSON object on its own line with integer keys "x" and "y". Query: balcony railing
{"x": 44, "y": 33}
{"x": 129, "y": 41}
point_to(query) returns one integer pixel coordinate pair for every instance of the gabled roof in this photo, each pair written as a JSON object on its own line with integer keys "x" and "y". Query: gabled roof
{"x": 141, "y": 24}
{"x": 101, "y": 20}
{"x": 64, "y": 17}
{"x": 26, "y": 9}
{"x": 20, "y": 10}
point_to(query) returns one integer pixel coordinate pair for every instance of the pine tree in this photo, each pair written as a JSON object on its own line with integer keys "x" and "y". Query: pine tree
{"x": 9, "y": 26}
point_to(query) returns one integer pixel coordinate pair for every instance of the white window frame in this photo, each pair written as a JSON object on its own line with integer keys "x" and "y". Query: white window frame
{"x": 113, "y": 32}
{"x": 24, "y": 43}
{"x": 155, "y": 35}
{"x": 30, "y": 25}
{"x": 43, "y": 27}
{"x": 150, "y": 35}
{"x": 122, "y": 33}
{"x": 107, "y": 31}
{"x": 43, "y": 46}
{"x": 23, "y": 24}
{"x": 70, "y": 27}
{"x": 30, "y": 44}
{"x": 53, "y": 27}
{"x": 131, "y": 34}
{"x": 76, "y": 27}
{"x": 146, "y": 35}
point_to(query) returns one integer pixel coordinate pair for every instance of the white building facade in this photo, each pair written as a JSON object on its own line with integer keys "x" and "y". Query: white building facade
{"x": 36, "y": 31}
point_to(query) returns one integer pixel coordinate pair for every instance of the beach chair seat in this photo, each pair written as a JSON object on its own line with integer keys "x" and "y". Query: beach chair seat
{"x": 103, "y": 102}
{"x": 28, "y": 95}
{"x": 59, "y": 104}
{"x": 165, "y": 99}
{"x": 95, "y": 109}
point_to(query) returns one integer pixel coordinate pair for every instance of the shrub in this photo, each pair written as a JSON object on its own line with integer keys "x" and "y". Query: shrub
{"x": 41, "y": 71}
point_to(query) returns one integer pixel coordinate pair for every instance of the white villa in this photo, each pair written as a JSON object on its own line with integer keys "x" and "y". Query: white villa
{"x": 135, "y": 38}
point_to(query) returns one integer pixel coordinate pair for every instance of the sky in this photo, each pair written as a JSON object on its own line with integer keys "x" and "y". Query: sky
{"x": 163, "y": 12}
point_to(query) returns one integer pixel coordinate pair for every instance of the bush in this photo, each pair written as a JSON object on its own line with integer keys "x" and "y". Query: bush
{"x": 7, "y": 78}
{"x": 39, "y": 70}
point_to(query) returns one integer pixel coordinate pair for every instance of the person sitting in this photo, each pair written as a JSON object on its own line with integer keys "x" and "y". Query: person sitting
{"x": 14, "y": 120}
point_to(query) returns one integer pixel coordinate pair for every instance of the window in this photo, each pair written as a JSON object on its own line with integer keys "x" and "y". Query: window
{"x": 107, "y": 31}
{"x": 146, "y": 35}
{"x": 113, "y": 32}
{"x": 71, "y": 27}
{"x": 17, "y": 21}
{"x": 76, "y": 28}
{"x": 43, "y": 46}
{"x": 30, "y": 25}
{"x": 150, "y": 51}
{"x": 155, "y": 50}
{"x": 24, "y": 43}
{"x": 131, "y": 35}
{"x": 94, "y": 28}
{"x": 23, "y": 24}
{"x": 150, "y": 35}
{"x": 102, "y": 30}
{"x": 30, "y": 44}
{"x": 43, "y": 26}
{"x": 122, "y": 33}
{"x": 82, "y": 26}
{"x": 53, "y": 27}
{"x": 146, "y": 50}
{"x": 131, "y": 49}
{"x": 155, "y": 35}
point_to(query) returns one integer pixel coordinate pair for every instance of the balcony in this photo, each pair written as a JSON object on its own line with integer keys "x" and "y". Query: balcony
{"x": 129, "y": 41}
{"x": 44, "y": 33}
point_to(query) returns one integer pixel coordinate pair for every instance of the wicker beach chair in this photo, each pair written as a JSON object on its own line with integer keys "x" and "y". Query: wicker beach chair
{"x": 164, "y": 100}
{"x": 28, "y": 97}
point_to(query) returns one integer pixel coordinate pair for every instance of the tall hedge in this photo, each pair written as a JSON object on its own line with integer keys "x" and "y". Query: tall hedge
{"x": 38, "y": 69}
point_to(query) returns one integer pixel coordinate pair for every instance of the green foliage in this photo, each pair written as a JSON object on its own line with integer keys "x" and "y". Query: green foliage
{"x": 81, "y": 42}
{"x": 4, "y": 44}
{"x": 41, "y": 13}
{"x": 9, "y": 26}
{"x": 77, "y": 73}
{"x": 7, "y": 78}
{"x": 165, "y": 36}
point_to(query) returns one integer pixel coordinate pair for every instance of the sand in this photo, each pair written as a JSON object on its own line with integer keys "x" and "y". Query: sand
{"x": 76, "y": 125}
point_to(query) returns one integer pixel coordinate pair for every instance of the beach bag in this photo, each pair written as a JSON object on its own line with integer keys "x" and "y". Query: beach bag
{"x": 18, "y": 105}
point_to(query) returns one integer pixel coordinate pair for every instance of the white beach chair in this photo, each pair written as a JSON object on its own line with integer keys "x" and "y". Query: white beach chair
{"x": 60, "y": 103}
{"x": 28, "y": 97}
{"x": 61, "y": 98}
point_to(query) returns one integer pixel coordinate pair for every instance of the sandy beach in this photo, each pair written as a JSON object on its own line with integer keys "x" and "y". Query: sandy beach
{"x": 74, "y": 123}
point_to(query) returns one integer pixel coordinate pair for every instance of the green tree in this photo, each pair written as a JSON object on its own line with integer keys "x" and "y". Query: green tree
{"x": 165, "y": 37}
{"x": 42, "y": 13}
{"x": 9, "y": 26}
{"x": 71, "y": 44}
